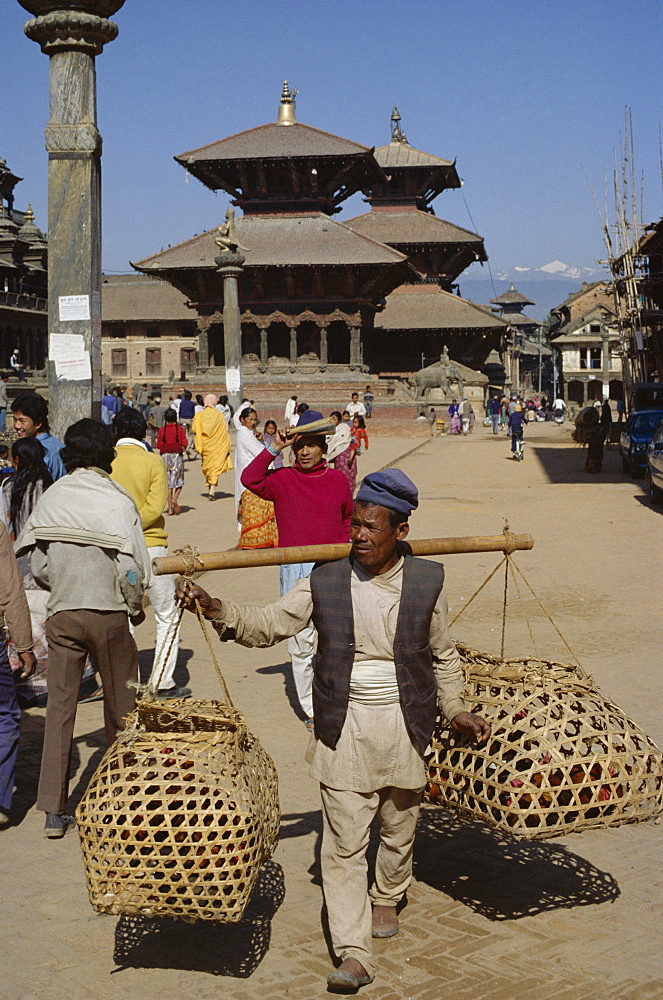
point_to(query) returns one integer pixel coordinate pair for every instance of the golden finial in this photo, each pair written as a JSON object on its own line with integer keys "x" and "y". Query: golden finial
{"x": 29, "y": 214}
{"x": 397, "y": 133}
{"x": 286, "y": 114}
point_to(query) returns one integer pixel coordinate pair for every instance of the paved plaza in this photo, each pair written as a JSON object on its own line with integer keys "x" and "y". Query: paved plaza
{"x": 487, "y": 918}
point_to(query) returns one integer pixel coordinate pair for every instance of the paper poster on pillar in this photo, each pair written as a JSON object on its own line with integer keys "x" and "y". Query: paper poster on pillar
{"x": 233, "y": 380}
{"x": 70, "y": 356}
{"x": 73, "y": 307}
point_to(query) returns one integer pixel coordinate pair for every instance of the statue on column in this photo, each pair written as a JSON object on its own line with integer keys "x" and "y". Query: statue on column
{"x": 227, "y": 239}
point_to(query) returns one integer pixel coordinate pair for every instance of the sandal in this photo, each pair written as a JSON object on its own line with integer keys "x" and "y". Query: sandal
{"x": 310, "y": 725}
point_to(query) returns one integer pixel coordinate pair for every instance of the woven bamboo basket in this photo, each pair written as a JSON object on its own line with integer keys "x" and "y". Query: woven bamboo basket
{"x": 181, "y": 813}
{"x": 561, "y": 758}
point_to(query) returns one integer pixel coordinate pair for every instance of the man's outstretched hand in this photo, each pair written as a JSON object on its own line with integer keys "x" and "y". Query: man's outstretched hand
{"x": 188, "y": 593}
{"x": 471, "y": 725}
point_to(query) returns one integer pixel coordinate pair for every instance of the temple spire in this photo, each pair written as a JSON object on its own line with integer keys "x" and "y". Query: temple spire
{"x": 397, "y": 133}
{"x": 287, "y": 115}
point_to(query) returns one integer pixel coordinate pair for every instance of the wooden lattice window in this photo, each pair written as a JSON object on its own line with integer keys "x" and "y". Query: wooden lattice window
{"x": 119, "y": 361}
{"x": 188, "y": 360}
{"x": 153, "y": 361}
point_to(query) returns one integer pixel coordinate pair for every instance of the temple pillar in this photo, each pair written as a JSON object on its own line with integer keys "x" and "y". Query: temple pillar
{"x": 355, "y": 346}
{"x": 323, "y": 346}
{"x": 230, "y": 269}
{"x": 203, "y": 342}
{"x": 264, "y": 353}
{"x": 72, "y": 38}
{"x": 293, "y": 347}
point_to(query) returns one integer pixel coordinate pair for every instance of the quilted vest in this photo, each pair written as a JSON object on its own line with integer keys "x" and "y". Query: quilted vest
{"x": 332, "y": 664}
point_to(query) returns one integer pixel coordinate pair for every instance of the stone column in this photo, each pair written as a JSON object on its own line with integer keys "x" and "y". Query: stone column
{"x": 203, "y": 341}
{"x": 230, "y": 269}
{"x": 264, "y": 351}
{"x": 72, "y": 38}
{"x": 355, "y": 346}
{"x": 605, "y": 358}
{"x": 293, "y": 347}
{"x": 324, "y": 351}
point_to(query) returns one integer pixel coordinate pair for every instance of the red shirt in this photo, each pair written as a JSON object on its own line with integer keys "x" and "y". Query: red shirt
{"x": 311, "y": 508}
{"x": 171, "y": 440}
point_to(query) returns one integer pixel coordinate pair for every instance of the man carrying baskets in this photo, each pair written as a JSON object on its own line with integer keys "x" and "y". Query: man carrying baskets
{"x": 385, "y": 661}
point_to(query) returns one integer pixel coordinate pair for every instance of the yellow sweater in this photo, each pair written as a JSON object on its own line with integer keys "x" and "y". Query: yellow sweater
{"x": 143, "y": 475}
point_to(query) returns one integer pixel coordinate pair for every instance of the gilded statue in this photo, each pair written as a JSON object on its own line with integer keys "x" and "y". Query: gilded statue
{"x": 227, "y": 239}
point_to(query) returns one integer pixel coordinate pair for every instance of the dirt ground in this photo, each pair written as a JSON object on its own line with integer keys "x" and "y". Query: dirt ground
{"x": 488, "y": 918}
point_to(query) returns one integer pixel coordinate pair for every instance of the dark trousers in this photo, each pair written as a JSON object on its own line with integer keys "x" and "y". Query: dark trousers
{"x": 71, "y": 635}
{"x": 10, "y": 730}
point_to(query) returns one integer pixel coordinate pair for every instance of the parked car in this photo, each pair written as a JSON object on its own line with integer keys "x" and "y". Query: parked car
{"x": 654, "y": 469}
{"x": 636, "y": 437}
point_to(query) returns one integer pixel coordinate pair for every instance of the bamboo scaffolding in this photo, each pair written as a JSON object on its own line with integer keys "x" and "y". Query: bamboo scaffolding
{"x": 241, "y": 558}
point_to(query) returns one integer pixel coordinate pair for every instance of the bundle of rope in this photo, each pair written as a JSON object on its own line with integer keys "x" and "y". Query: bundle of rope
{"x": 182, "y": 811}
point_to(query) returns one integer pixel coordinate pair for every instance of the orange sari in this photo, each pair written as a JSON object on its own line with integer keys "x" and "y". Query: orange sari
{"x": 257, "y": 521}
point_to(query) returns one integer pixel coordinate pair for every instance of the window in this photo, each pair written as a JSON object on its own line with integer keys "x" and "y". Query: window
{"x": 116, "y": 331}
{"x": 152, "y": 330}
{"x": 153, "y": 360}
{"x": 188, "y": 360}
{"x": 591, "y": 357}
{"x": 594, "y": 328}
{"x": 119, "y": 361}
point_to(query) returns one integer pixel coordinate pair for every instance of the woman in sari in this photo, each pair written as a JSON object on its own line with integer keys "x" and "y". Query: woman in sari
{"x": 340, "y": 451}
{"x": 255, "y": 517}
{"x": 212, "y": 443}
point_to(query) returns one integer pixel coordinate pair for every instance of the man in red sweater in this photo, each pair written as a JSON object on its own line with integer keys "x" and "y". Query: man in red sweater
{"x": 313, "y": 506}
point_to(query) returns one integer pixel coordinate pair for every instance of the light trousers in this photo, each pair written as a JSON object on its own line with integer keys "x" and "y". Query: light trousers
{"x": 347, "y": 818}
{"x": 302, "y": 645}
{"x": 161, "y": 593}
{"x": 465, "y": 423}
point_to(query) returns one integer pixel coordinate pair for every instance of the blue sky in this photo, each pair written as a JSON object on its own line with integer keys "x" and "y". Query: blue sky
{"x": 525, "y": 94}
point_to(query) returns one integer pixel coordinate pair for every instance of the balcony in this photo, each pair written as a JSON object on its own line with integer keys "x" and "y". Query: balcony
{"x": 24, "y": 301}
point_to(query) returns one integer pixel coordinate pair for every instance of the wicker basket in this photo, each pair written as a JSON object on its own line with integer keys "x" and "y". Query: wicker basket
{"x": 180, "y": 814}
{"x": 561, "y": 757}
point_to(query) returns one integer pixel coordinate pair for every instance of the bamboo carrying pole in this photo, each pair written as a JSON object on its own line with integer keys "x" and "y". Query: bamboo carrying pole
{"x": 244, "y": 558}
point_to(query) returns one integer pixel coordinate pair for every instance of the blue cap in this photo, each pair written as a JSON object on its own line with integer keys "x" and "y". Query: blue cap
{"x": 390, "y": 488}
{"x": 308, "y": 417}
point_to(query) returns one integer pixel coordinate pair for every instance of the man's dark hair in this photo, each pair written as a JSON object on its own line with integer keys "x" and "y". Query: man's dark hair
{"x": 32, "y": 405}
{"x": 130, "y": 423}
{"x": 302, "y": 408}
{"x": 88, "y": 443}
{"x": 187, "y": 393}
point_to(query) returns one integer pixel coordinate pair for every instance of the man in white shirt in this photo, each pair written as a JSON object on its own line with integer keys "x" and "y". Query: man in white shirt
{"x": 355, "y": 408}
{"x": 290, "y": 412}
{"x": 385, "y": 660}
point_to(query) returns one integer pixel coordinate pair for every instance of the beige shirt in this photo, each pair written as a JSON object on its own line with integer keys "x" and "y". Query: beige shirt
{"x": 375, "y": 604}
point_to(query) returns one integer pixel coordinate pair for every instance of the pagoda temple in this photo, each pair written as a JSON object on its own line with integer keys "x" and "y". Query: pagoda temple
{"x": 23, "y": 280}
{"x": 423, "y": 315}
{"x": 510, "y": 307}
{"x": 311, "y": 285}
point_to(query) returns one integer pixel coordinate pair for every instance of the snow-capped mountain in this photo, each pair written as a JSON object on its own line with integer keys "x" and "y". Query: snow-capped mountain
{"x": 557, "y": 269}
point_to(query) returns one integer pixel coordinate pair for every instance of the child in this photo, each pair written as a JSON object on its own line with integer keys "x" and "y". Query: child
{"x": 359, "y": 434}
